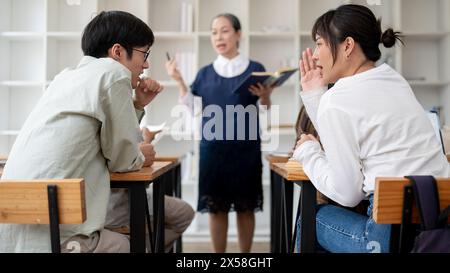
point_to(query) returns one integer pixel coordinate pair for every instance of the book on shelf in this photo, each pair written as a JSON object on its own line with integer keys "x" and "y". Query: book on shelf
{"x": 187, "y": 17}
{"x": 186, "y": 64}
{"x": 274, "y": 79}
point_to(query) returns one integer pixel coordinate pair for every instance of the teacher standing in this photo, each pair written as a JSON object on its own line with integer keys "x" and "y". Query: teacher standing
{"x": 230, "y": 156}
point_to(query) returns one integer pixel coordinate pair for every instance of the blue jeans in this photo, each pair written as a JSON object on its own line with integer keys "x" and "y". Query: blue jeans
{"x": 343, "y": 231}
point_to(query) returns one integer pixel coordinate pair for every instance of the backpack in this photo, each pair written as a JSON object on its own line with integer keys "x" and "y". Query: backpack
{"x": 434, "y": 236}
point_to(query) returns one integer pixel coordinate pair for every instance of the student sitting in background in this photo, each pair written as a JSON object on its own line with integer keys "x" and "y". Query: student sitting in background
{"x": 370, "y": 124}
{"x": 303, "y": 125}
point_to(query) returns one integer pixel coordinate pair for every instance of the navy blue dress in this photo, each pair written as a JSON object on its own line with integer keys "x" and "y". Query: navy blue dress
{"x": 230, "y": 150}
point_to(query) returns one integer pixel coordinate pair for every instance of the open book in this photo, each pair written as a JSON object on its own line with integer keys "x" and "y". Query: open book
{"x": 275, "y": 79}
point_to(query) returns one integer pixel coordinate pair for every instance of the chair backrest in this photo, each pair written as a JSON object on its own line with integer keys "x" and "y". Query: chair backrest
{"x": 26, "y": 201}
{"x": 388, "y": 199}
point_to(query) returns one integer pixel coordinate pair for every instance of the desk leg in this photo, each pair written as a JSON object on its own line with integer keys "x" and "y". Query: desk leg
{"x": 307, "y": 217}
{"x": 178, "y": 181}
{"x": 294, "y": 236}
{"x": 287, "y": 196}
{"x": 272, "y": 212}
{"x": 137, "y": 197}
{"x": 177, "y": 192}
{"x": 158, "y": 213}
{"x": 276, "y": 211}
{"x": 173, "y": 188}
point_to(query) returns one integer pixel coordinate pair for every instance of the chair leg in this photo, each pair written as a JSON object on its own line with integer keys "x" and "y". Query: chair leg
{"x": 406, "y": 239}
{"x": 149, "y": 225}
{"x": 395, "y": 239}
{"x": 54, "y": 218}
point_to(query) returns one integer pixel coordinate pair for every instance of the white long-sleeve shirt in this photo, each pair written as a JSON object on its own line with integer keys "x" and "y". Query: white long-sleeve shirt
{"x": 84, "y": 126}
{"x": 370, "y": 125}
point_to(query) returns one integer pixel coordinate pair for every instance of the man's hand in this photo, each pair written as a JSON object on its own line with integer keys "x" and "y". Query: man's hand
{"x": 147, "y": 149}
{"x": 146, "y": 91}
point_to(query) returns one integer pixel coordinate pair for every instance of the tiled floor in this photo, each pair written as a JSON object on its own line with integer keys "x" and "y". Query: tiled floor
{"x": 206, "y": 247}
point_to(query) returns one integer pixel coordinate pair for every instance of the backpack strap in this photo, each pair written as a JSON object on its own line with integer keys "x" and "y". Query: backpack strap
{"x": 427, "y": 200}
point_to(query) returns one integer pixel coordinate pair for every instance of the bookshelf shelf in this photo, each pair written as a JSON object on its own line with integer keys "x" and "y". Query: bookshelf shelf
{"x": 429, "y": 83}
{"x": 21, "y": 83}
{"x": 438, "y": 35}
{"x": 22, "y": 36}
{"x": 278, "y": 35}
{"x": 68, "y": 35}
{"x": 175, "y": 35}
{"x": 9, "y": 133}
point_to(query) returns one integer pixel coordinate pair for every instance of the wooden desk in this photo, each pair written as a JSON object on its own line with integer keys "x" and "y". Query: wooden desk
{"x": 173, "y": 189}
{"x": 271, "y": 158}
{"x": 136, "y": 183}
{"x": 283, "y": 176}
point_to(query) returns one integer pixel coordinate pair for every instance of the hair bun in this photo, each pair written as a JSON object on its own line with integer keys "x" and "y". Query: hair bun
{"x": 389, "y": 37}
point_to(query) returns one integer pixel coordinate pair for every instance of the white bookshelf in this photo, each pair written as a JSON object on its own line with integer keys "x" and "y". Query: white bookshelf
{"x": 38, "y": 38}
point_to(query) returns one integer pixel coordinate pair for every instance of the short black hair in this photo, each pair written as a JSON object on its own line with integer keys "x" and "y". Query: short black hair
{"x": 111, "y": 27}
{"x": 359, "y": 23}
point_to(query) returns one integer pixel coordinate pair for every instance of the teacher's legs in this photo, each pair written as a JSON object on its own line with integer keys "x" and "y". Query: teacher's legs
{"x": 246, "y": 229}
{"x": 218, "y": 227}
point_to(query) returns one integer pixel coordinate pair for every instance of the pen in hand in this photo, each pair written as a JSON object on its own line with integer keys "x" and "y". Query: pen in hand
{"x": 168, "y": 56}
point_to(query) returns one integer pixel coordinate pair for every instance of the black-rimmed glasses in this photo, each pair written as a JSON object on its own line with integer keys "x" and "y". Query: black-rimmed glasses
{"x": 146, "y": 53}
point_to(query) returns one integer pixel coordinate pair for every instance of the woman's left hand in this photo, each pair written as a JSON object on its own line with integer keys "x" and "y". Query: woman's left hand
{"x": 304, "y": 138}
{"x": 261, "y": 91}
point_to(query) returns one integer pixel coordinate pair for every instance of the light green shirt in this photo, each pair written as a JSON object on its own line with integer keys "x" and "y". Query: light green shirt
{"x": 84, "y": 126}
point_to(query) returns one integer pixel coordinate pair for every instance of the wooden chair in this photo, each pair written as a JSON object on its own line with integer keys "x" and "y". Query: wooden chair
{"x": 51, "y": 202}
{"x": 391, "y": 196}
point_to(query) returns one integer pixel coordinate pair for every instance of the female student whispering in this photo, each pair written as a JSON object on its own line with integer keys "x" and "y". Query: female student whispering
{"x": 370, "y": 124}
